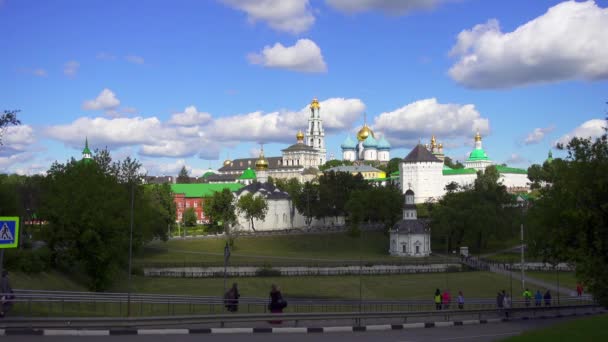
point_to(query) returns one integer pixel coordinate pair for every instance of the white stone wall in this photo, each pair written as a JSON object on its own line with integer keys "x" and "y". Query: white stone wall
{"x": 462, "y": 180}
{"x": 370, "y": 154}
{"x": 424, "y": 178}
{"x": 349, "y": 155}
{"x": 514, "y": 180}
{"x": 384, "y": 156}
{"x": 479, "y": 165}
{"x": 405, "y": 244}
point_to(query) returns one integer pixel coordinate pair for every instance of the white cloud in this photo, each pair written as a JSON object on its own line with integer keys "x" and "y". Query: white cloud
{"x": 292, "y": 16}
{"x": 281, "y": 126}
{"x": 421, "y": 119}
{"x": 38, "y": 72}
{"x": 190, "y": 117}
{"x": 566, "y": 43}
{"x": 14, "y": 159}
{"x": 171, "y": 148}
{"x": 388, "y": 6}
{"x": 106, "y": 56}
{"x": 106, "y": 100}
{"x": 537, "y": 135}
{"x": 171, "y": 169}
{"x": 71, "y": 68}
{"x": 16, "y": 138}
{"x": 116, "y": 132}
{"x": 134, "y": 59}
{"x": 589, "y": 129}
{"x": 304, "y": 56}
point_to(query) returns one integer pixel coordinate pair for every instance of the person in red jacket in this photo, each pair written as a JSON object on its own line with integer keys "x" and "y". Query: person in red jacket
{"x": 447, "y": 299}
{"x": 579, "y": 289}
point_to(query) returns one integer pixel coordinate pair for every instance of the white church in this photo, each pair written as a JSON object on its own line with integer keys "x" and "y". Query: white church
{"x": 366, "y": 148}
{"x": 423, "y": 171}
{"x": 410, "y": 236}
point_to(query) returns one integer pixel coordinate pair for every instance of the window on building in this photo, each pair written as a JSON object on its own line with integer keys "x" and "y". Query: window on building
{"x": 187, "y": 204}
{"x": 404, "y": 248}
{"x": 195, "y": 204}
{"x": 417, "y": 249}
{"x": 284, "y": 218}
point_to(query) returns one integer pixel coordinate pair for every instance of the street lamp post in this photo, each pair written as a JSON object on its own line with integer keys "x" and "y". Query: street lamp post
{"x": 130, "y": 251}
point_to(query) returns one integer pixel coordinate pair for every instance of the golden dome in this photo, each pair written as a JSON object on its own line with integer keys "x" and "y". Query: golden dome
{"x": 364, "y": 132}
{"x": 433, "y": 141}
{"x": 440, "y": 145}
{"x": 300, "y": 135}
{"x": 261, "y": 163}
{"x": 227, "y": 162}
{"x": 477, "y": 136}
{"x": 314, "y": 104}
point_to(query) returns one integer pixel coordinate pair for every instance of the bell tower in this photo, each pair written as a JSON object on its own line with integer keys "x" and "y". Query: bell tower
{"x": 315, "y": 136}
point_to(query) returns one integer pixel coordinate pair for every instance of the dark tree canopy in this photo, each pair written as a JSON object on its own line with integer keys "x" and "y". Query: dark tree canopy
{"x": 183, "y": 177}
{"x": 221, "y": 209}
{"x": 8, "y": 118}
{"x": 449, "y": 163}
{"x": 253, "y": 207}
{"x": 569, "y": 220}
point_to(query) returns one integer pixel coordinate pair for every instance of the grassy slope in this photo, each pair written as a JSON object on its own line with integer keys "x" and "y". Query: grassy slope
{"x": 418, "y": 286}
{"x": 44, "y": 281}
{"x": 585, "y": 329}
{"x": 566, "y": 279}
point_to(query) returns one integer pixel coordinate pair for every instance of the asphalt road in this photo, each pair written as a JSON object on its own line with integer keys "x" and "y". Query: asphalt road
{"x": 475, "y": 333}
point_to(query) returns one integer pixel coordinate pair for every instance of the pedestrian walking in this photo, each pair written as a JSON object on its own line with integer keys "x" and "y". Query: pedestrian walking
{"x": 460, "y": 300}
{"x": 6, "y": 296}
{"x": 437, "y": 299}
{"x": 506, "y": 303}
{"x": 547, "y": 298}
{"x": 231, "y": 298}
{"x": 277, "y": 303}
{"x": 499, "y": 300}
{"x": 538, "y": 298}
{"x": 447, "y": 299}
{"x": 579, "y": 289}
{"x": 527, "y": 297}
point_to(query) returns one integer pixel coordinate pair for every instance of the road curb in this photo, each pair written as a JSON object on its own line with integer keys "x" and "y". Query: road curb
{"x": 266, "y": 330}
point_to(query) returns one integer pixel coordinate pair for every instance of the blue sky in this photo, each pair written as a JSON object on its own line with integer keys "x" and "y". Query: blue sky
{"x": 193, "y": 82}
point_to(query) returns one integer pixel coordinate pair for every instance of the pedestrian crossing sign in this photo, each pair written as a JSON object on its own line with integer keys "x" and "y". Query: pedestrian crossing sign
{"x": 9, "y": 231}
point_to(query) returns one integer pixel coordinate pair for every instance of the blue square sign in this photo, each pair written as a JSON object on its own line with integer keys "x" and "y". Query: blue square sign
{"x": 9, "y": 231}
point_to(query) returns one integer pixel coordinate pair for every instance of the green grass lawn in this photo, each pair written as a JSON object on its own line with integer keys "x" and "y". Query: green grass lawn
{"x": 52, "y": 280}
{"x": 584, "y": 329}
{"x": 270, "y": 249}
{"x": 566, "y": 279}
{"x": 415, "y": 286}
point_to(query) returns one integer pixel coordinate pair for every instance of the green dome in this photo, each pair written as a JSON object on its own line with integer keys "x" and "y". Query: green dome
{"x": 348, "y": 144}
{"x": 248, "y": 174}
{"x": 478, "y": 154}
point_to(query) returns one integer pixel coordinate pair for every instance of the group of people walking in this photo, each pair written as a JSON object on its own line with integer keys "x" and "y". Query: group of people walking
{"x": 276, "y": 304}
{"x": 444, "y": 300}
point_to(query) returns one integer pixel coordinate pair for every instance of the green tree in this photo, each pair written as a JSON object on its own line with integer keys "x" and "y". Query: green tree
{"x": 183, "y": 177}
{"x": 8, "y": 118}
{"x": 392, "y": 166}
{"x": 307, "y": 201}
{"x": 450, "y": 163}
{"x": 253, "y": 207}
{"x": 163, "y": 209}
{"x": 189, "y": 218}
{"x": 221, "y": 209}
{"x": 569, "y": 221}
{"x": 475, "y": 215}
{"x": 333, "y": 163}
{"x": 294, "y": 188}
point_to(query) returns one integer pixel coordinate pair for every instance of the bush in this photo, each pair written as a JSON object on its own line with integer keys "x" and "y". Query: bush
{"x": 28, "y": 260}
{"x": 137, "y": 271}
{"x": 453, "y": 268}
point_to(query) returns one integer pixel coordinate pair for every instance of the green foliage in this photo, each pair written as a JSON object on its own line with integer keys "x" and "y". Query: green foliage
{"x": 333, "y": 163}
{"x": 376, "y": 204}
{"x": 307, "y": 201}
{"x": 253, "y": 207}
{"x": 88, "y": 214}
{"x": 392, "y": 166}
{"x": 27, "y": 260}
{"x": 189, "y": 218}
{"x": 221, "y": 209}
{"x": 476, "y": 215}
{"x": 183, "y": 177}
{"x": 267, "y": 271}
{"x": 335, "y": 189}
{"x": 449, "y": 163}
{"x": 569, "y": 221}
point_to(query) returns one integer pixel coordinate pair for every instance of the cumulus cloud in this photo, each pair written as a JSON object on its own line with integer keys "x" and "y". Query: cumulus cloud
{"x": 134, "y": 59}
{"x": 567, "y": 42}
{"x": 280, "y": 126}
{"x": 304, "y": 56}
{"x": 387, "y": 6}
{"x": 16, "y": 139}
{"x": 71, "y": 68}
{"x": 106, "y": 100}
{"x": 38, "y": 72}
{"x": 292, "y": 16}
{"x": 537, "y": 135}
{"x": 406, "y": 125}
{"x": 589, "y": 129}
{"x": 190, "y": 117}
{"x": 171, "y": 169}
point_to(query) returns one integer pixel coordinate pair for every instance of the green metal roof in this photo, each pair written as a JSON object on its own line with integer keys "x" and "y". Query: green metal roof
{"x": 348, "y": 144}
{"x": 208, "y": 173}
{"x": 203, "y": 190}
{"x": 452, "y": 172}
{"x": 506, "y": 169}
{"x": 248, "y": 174}
{"x": 395, "y": 174}
{"x": 86, "y": 147}
{"x": 478, "y": 154}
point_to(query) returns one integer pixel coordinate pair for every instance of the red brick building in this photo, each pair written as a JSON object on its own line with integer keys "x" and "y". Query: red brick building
{"x": 194, "y": 196}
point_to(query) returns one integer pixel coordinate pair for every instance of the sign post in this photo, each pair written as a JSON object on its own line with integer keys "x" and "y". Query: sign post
{"x": 9, "y": 235}
{"x": 226, "y": 257}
